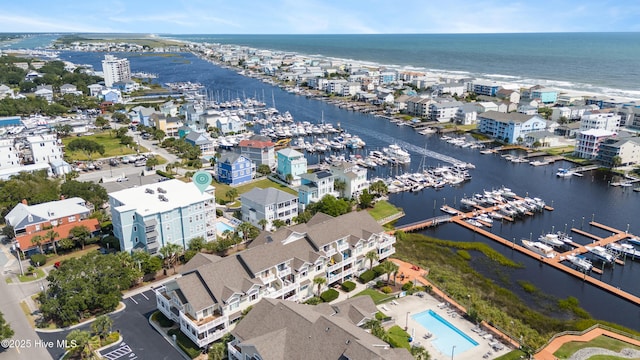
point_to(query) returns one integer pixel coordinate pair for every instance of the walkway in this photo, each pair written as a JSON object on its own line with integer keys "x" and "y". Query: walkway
{"x": 556, "y": 343}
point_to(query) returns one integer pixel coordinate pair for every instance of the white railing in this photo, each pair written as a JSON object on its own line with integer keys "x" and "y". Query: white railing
{"x": 330, "y": 251}
{"x": 334, "y": 267}
{"x": 268, "y": 279}
{"x": 233, "y": 352}
{"x": 349, "y": 260}
{"x": 203, "y": 329}
{"x": 387, "y": 253}
{"x": 284, "y": 272}
{"x": 344, "y": 246}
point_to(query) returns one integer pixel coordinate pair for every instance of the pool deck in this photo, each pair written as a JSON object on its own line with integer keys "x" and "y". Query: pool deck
{"x": 407, "y": 306}
{"x": 224, "y": 221}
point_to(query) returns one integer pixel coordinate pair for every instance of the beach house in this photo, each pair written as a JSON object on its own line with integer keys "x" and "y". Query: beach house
{"x": 234, "y": 169}
{"x": 291, "y": 164}
{"x": 268, "y": 204}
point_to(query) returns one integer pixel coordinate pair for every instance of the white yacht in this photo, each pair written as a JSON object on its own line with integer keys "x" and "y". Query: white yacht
{"x": 580, "y": 262}
{"x": 551, "y": 239}
{"x": 396, "y": 153}
{"x": 539, "y": 248}
{"x": 601, "y": 253}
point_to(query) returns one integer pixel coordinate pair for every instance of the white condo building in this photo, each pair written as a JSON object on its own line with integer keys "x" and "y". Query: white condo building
{"x": 607, "y": 121}
{"x": 588, "y": 142}
{"x": 115, "y": 70}
{"x": 212, "y": 293}
{"x": 45, "y": 149}
{"x": 150, "y": 216}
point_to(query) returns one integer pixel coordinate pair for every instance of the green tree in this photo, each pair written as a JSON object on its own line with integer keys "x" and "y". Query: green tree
{"x": 89, "y": 147}
{"x": 263, "y": 223}
{"x": 366, "y": 199}
{"x": 8, "y": 231}
{"x": 5, "y": 329}
{"x": 120, "y": 117}
{"x": 79, "y": 343}
{"x": 122, "y": 131}
{"x": 152, "y": 162}
{"x": 231, "y": 194}
{"x": 38, "y": 240}
{"x": 158, "y": 135}
{"x": 420, "y": 353}
{"x": 289, "y": 178}
{"x": 218, "y": 351}
{"x": 102, "y": 325}
{"x": 92, "y": 192}
{"x": 371, "y": 256}
{"x": 319, "y": 281}
{"x": 101, "y": 122}
{"x": 63, "y": 130}
{"x": 247, "y": 231}
{"x": 80, "y": 234}
{"x": 277, "y": 223}
{"x": 197, "y": 243}
{"x": 52, "y": 235}
{"x": 170, "y": 253}
{"x": 389, "y": 267}
{"x": 263, "y": 169}
{"x": 339, "y": 186}
{"x": 616, "y": 161}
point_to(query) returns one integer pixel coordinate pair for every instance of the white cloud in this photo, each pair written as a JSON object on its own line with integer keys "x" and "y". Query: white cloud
{"x": 19, "y": 23}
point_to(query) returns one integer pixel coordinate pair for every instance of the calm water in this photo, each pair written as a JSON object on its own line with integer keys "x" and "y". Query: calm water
{"x": 593, "y": 62}
{"x": 573, "y": 199}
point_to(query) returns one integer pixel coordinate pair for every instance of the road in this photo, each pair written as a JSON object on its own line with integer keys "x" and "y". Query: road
{"x": 139, "y": 339}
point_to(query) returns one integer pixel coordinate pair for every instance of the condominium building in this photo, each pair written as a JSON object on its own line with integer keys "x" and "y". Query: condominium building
{"x": 509, "y": 127}
{"x": 601, "y": 120}
{"x": 210, "y": 296}
{"x": 150, "y": 216}
{"x": 588, "y": 142}
{"x": 115, "y": 70}
{"x": 45, "y": 148}
{"x": 626, "y": 149}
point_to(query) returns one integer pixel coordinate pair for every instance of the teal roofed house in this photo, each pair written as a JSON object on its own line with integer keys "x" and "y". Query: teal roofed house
{"x": 291, "y": 162}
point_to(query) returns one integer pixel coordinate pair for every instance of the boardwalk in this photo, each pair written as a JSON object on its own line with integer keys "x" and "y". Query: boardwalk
{"x": 547, "y": 352}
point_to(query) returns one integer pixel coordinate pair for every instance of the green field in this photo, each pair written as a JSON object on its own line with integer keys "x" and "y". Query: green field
{"x": 376, "y": 296}
{"x": 383, "y": 209}
{"x": 604, "y": 342}
{"x": 112, "y": 147}
{"x": 221, "y": 189}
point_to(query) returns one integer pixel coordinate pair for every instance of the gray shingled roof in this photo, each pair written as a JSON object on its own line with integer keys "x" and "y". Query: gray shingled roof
{"x": 267, "y": 196}
{"x": 288, "y": 330}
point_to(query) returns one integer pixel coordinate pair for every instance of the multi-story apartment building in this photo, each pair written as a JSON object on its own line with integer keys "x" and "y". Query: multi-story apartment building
{"x": 443, "y": 111}
{"x": 45, "y": 148}
{"x": 509, "y": 127}
{"x": 10, "y": 155}
{"x": 269, "y": 204}
{"x": 315, "y": 186}
{"x": 260, "y": 152}
{"x": 600, "y": 120}
{"x": 150, "y": 216}
{"x": 418, "y": 106}
{"x": 626, "y": 149}
{"x": 546, "y": 95}
{"x": 210, "y": 296}
{"x": 485, "y": 88}
{"x": 588, "y": 142}
{"x": 354, "y": 178}
{"x": 115, "y": 70}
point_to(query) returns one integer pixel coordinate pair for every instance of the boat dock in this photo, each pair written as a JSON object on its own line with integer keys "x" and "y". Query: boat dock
{"x": 556, "y": 261}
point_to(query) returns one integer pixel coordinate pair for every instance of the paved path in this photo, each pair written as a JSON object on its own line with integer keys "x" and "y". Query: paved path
{"x": 555, "y": 344}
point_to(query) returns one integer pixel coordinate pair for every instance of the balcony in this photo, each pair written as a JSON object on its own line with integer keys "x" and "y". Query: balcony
{"x": 335, "y": 267}
{"x": 233, "y": 352}
{"x": 204, "y": 327}
{"x": 344, "y": 246}
{"x": 268, "y": 278}
{"x": 386, "y": 253}
{"x": 283, "y": 272}
{"x": 330, "y": 251}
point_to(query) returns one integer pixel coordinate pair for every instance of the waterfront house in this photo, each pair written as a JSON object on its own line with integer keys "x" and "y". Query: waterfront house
{"x": 291, "y": 162}
{"x": 268, "y": 204}
{"x": 212, "y": 293}
{"x": 354, "y": 178}
{"x": 467, "y": 114}
{"x": 543, "y": 138}
{"x": 443, "y": 110}
{"x": 169, "y": 108}
{"x": 151, "y": 216}
{"x": 600, "y": 119}
{"x": 627, "y": 149}
{"x": 509, "y": 127}
{"x": 484, "y": 106}
{"x": 314, "y": 186}
{"x": 286, "y": 330}
{"x": 234, "y": 169}
{"x": 202, "y": 141}
{"x": 126, "y": 86}
{"x": 571, "y": 113}
{"x": 588, "y": 142}
{"x": 453, "y": 88}
{"x": 61, "y": 215}
{"x": 419, "y": 106}
{"x": 604, "y": 102}
{"x": 260, "y": 150}
{"x": 511, "y": 96}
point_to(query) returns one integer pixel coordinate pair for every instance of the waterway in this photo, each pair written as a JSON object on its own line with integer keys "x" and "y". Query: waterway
{"x": 576, "y": 200}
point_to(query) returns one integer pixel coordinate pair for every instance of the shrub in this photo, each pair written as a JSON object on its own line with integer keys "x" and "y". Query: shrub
{"x": 380, "y": 284}
{"x": 407, "y": 286}
{"x": 378, "y": 270}
{"x": 348, "y": 286}
{"x": 329, "y": 295}
{"x": 386, "y": 289}
{"x": 161, "y": 319}
{"x": 367, "y": 276}
{"x": 165, "y": 174}
{"x": 313, "y": 301}
{"x": 38, "y": 259}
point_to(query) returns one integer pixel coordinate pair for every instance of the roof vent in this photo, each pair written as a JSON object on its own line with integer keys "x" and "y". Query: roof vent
{"x": 163, "y": 198}
{"x": 162, "y": 191}
{"x": 149, "y": 191}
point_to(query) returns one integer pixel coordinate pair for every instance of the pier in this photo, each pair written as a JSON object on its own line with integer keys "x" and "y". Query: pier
{"x": 555, "y": 262}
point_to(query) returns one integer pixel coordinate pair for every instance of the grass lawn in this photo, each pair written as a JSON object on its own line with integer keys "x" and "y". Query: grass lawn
{"x": 604, "y": 342}
{"x": 27, "y": 313}
{"x": 399, "y": 338}
{"x": 376, "y": 296}
{"x": 112, "y": 147}
{"x": 26, "y": 278}
{"x": 52, "y": 259}
{"x": 382, "y": 209}
{"x": 221, "y": 189}
{"x": 560, "y": 150}
{"x": 185, "y": 343}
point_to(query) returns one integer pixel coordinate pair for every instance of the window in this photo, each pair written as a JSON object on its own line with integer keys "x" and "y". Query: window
{"x": 135, "y": 228}
{"x": 319, "y": 267}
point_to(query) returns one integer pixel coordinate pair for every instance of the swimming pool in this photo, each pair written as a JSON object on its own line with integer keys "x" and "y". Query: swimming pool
{"x": 445, "y": 334}
{"x": 222, "y": 227}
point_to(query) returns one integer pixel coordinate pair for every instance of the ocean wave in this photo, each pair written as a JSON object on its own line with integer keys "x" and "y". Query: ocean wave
{"x": 500, "y": 76}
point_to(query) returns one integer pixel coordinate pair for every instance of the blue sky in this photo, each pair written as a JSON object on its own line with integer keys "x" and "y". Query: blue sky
{"x": 319, "y": 16}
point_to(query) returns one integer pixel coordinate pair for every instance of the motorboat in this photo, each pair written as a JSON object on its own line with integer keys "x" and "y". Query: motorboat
{"x": 564, "y": 237}
{"x": 601, "y": 254}
{"x": 564, "y": 173}
{"x": 551, "y": 239}
{"x": 580, "y": 262}
{"x": 539, "y": 248}
{"x": 624, "y": 249}
{"x": 449, "y": 210}
{"x": 634, "y": 241}
{"x": 396, "y": 153}
{"x": 474, "y": 222}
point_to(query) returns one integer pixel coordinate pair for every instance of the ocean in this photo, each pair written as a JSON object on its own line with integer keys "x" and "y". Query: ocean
{"x": 599, "y": 63}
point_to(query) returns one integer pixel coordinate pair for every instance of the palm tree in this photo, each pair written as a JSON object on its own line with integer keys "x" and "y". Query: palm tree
{"x": 52, "y": 235}
{"x": 170, "y": 253}
{"x": 319, "y": 281}
{"x": 80, "y": 234}
{"x": 231, "y": 194}
{"x": 37, "y": 241}
{"x": 420, "y": 353}
{"x": 371, "y": 256}
{"x": 277, "y": 223}
{"x": 389, "y": 267}
{"x": 289, "y": 178}
{"x": 339, "y": 186}
{"x": 263, "y": 223}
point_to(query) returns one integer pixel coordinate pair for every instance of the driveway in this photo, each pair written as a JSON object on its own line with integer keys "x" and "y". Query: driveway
{"x": 139, "y": 339}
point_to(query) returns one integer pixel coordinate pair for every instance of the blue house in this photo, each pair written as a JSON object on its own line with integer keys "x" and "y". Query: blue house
{"x": 234, "y": 169}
